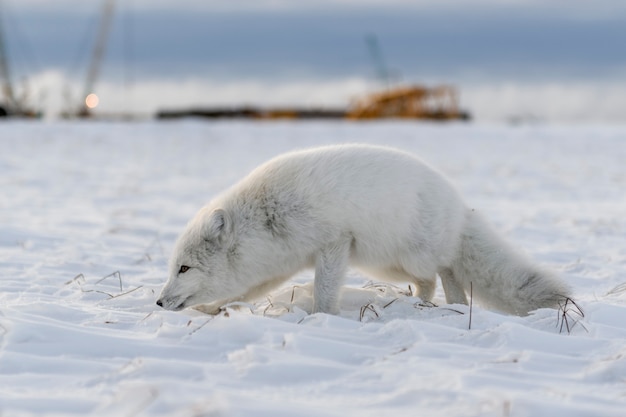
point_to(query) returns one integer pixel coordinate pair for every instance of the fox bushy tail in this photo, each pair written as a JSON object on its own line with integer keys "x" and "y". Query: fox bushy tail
{"x": 501, "y": 277}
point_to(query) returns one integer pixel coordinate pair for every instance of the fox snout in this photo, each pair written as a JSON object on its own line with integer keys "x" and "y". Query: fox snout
{"x": 173, "y": 303}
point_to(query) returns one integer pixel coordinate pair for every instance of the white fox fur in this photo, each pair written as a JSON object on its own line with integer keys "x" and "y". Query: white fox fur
{"x": 380, "y": 210}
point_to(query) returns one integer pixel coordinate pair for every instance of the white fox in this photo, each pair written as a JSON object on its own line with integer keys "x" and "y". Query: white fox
{"x": 380, "y": 210}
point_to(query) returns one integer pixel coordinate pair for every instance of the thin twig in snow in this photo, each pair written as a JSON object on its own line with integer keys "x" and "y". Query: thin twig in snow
{"x": 114, "y": 274}
{"x": 201, "y": 326}
{"x": 453, "y": 310}
{"x": 565, "y": 312}
{"x": 471, "y": 300}
{"x": 618, "y": 290}
{"x": 75, "y": 279}
{"x": 97, "y": 291}
{"x": 384, "y": 286}
{"x": 269, "y": 305}
{"x": 127, "y": 292}
{"x": 390, "y": 302}
{"x": 369, "y": 306}
{"x": 147, "y": 315}
{"x": 293, "y": 292}
{"x": 80, "y": 279}
{"x": 426, "y": 304}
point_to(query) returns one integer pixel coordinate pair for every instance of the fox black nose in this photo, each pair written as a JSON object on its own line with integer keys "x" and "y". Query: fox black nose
{"x": 160, "y": 303}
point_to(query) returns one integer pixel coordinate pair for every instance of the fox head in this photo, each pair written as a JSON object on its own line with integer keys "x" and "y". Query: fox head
{"x": 201, "y": 269}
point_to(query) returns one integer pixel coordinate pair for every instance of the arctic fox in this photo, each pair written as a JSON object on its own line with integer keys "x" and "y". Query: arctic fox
{"x": 377, "y": 209}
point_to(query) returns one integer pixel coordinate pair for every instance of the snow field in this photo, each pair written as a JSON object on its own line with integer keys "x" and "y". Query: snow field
{"x": 89, "y": 213}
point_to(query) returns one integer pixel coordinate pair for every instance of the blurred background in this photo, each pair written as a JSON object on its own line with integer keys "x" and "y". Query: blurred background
{"x": 512, "y": 61}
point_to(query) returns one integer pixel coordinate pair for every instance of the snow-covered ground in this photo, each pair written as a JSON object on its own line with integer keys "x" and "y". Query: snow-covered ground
{"x": 89, "y": 213}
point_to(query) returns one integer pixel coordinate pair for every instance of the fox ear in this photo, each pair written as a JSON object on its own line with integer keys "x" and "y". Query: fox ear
{"x": 217, "y": 226}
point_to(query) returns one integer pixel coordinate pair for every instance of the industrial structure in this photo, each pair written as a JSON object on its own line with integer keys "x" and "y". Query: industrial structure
{"x": 10, "y": 103}
{"x": 399, "y": 102}
{"x": 415, "y": 102}
{"x": 403, "y": 102}
{"x": 89, "y": 100}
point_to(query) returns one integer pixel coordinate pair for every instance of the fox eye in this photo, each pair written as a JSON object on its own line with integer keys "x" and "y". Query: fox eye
{"x": 183, "y": 269}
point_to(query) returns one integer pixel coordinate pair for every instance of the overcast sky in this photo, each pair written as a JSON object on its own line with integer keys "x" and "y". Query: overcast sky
{"x": 481, "y": 42}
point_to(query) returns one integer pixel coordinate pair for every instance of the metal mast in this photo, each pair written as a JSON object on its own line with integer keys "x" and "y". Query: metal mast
{"x": 98, "y": 52}
{"x": 377, "y": 58}
{"x": 5, "y": 76}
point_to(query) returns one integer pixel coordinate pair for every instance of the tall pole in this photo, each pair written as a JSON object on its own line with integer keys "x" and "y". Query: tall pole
{"x": 98, "y": 52}
{"x": 5, "y": 76}
{"x": 377, "y": 58}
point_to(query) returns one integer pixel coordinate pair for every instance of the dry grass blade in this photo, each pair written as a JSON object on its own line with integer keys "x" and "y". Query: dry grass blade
{"x": 369, "y": 306}
{"x": 269, "y": 305}
{"x": 97, "y": 291}
{"x": 470, "y": 306}
{"x": 81, "y": 280}
{"x": 383, "y": 287}
{"x": 111, "y": 296}
{"x": 147, "y": 316}
{"x": 293, "y": 292}
{"x": 390, "y": 302}
{"x": 567, "y": 312}
{"x": 127, "y": 292}
{"x": 78, "y": 278}
{"x": 426, "y": 304}
{"x": 430, "y": 304}
{"x": 114, "y": 274}
{"x": 277, "y": 306}
{"x": 201, "y": 326}
{"x": 618, "y": 290}
{"x": 453, "y": 310}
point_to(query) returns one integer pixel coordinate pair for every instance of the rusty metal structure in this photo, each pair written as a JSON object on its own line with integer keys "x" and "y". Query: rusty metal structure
{"x": 413, "y": 102}
{"x": 403, "y": 102}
